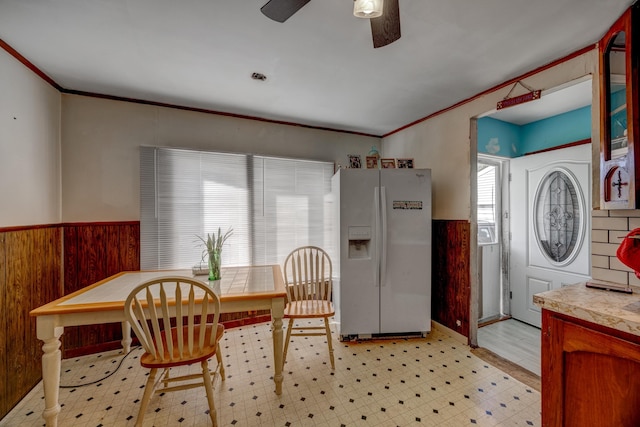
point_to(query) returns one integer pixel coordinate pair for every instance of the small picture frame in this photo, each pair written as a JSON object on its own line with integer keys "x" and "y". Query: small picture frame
{"x": 372, "y": 162}
{"x": 354, "y": 161}
{"x": 405, "y": 163}
{"x": 388, "y": 163}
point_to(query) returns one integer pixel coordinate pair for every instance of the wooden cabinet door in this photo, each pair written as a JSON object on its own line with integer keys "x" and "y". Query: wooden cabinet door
{"x": 590, "y": 376}
{"x": 619, "y": 130}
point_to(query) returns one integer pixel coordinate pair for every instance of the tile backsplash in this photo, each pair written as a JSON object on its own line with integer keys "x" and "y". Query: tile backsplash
{"x": 607, "y": 230}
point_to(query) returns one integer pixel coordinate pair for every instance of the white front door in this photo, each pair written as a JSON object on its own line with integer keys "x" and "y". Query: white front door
{"x": 550, "y": 198}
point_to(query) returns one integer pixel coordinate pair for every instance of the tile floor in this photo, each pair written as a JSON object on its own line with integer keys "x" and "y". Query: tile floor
{"x": 433, "y": 381}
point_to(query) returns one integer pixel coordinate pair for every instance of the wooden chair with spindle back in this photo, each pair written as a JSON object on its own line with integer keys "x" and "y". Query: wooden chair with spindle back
{"x": 176, "y": 321}
{"x": 308, "y": 278}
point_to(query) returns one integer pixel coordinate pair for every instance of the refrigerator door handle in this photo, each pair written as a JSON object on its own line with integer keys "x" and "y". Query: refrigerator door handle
{"x": 376, "y": 208}
{"x": 383, "y": 259}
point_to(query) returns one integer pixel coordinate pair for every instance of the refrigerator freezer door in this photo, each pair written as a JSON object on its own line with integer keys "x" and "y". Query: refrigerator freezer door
{"x": 358, "y": 240}
{"x": 405, "y": 291}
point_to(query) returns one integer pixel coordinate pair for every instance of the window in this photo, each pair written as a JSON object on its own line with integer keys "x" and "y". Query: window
{"x": 487, "y": 203}
{"x": 273, "y": 205}
{"x": 559, "y": 214}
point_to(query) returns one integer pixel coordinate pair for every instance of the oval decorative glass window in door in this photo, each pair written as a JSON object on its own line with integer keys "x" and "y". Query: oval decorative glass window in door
{"x": 559, "y": 216}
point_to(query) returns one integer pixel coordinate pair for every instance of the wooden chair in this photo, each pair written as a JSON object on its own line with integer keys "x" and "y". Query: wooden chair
{"x": 176, "y": 321}
{"x": 307, "y": 275}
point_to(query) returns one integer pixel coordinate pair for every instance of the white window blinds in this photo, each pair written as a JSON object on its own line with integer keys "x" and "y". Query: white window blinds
{"x": 273, "y": 205}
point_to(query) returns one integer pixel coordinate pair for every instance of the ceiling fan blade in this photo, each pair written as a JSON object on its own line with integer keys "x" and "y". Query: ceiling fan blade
{"x": 281, "y": 10}
{"x": 386, "y": 29}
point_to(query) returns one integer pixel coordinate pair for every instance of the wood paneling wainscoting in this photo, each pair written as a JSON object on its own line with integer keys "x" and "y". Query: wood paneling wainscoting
{"x": 30, "y": 276}
{"x": 451, "y": 281}
{"x": 92, "y": 252}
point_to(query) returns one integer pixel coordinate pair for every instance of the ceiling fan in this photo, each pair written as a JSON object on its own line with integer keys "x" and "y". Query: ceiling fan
{"x": 385, "y": 27}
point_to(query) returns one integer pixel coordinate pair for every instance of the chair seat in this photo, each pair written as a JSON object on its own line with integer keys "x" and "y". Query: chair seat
{"x": 309, "y": 309}
{"x": 149, "y": 361}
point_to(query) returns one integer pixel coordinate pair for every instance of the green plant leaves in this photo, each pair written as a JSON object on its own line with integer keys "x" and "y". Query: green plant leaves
{"x": 214, "y": 242}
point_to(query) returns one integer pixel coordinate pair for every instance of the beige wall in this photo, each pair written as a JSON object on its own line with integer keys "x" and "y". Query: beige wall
{"x": 443, "y": 143}
{"x": 101, "y": 140}
{"x": 29, "y": 147}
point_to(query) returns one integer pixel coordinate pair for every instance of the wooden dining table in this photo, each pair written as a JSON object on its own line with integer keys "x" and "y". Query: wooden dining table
{"x": 240, "y": 289}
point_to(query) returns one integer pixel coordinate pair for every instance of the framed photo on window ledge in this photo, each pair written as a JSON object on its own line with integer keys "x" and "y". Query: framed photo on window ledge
{"x": 405, "y": 163}
{"x": 388, "y": 163}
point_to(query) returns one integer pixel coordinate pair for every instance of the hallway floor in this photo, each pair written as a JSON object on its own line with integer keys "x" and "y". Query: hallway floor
{"x": 433, "y": 381}
{"x": 514, "y": 340}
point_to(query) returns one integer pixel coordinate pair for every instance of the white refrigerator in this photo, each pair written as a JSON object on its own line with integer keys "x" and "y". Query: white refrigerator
{"x": 383, "y": 260}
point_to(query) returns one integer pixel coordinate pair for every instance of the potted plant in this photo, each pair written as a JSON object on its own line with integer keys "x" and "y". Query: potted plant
{"x": 213, "y": 251}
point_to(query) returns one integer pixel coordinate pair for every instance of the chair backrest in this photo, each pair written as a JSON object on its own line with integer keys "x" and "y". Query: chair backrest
{"x": 189, "y": 306}
{"x": 308, "y": 274}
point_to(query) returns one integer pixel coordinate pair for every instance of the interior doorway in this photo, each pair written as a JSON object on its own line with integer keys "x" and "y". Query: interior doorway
{"x": 556, "y": 104}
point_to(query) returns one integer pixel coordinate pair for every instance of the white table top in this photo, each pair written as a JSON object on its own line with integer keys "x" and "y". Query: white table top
{"x": 237, "y": 283}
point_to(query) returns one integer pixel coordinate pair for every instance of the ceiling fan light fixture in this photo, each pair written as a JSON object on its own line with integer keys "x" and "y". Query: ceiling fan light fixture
{"x": 367, "y": 8}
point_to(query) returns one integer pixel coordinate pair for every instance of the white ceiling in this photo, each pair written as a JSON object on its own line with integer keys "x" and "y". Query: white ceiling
{"x": 320, "y": 65}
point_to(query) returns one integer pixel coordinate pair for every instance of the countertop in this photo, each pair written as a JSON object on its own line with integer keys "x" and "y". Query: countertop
{"x": 615, "y": 310}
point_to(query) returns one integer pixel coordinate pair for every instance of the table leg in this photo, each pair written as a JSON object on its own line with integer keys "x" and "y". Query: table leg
{"x": 126, "y": 337}
{"x": 51, "y": 361}
{"x": 277, "y": 312}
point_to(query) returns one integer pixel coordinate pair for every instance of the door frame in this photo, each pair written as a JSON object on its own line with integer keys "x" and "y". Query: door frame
{"x": 473, "y": 159}
{"x": 503, "y": 224}
{"x": 473, "y": 219}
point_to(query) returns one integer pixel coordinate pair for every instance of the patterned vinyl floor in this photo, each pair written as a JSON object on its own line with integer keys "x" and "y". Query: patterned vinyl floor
{"x": 433, "y": 381}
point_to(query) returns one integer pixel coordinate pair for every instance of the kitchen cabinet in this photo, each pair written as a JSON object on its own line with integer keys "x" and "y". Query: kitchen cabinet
{"x": 619, "y": 127}
{"x": 590, "y": 357}
{"x": 590, "y": 374}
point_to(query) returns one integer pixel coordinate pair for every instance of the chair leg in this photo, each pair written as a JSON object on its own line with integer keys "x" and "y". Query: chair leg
{"x": 286, "y": 342}
{"x": 326, "y": 325}
{"x": 206, "y": 377}
{"x": 219, "y": 359}
{"x": 146, "y": 397}
{"x": 165, "y": 376}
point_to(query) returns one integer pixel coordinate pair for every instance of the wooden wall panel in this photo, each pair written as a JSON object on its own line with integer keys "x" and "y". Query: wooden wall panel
{"x": 30, "y": 271}
{"x": 4, "y": 384}
{"x": 95, "y": 251}
{"x": 451, "y": 283}
{"x": 19, "y": 249}
{"x": 112, "y": 256}
{"x": 129, "y": 249}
